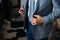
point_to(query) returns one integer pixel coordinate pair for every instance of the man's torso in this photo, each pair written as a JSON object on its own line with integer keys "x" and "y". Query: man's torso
{"x": 42, "y": 30}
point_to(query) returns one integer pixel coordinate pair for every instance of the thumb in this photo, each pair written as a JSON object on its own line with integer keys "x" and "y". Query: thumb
{"x": 35, "y": 16}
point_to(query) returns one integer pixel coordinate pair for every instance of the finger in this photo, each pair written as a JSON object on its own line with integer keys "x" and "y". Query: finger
{"x": 35, "y": 15}
{"x": 21, "y": 12}
{"x": 21, "y": 9}
{"x": 34, "y": 22}
{"x": 34, "y": 19}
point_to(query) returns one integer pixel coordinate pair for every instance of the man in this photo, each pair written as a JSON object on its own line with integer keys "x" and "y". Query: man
{"x": 40, "y": 17}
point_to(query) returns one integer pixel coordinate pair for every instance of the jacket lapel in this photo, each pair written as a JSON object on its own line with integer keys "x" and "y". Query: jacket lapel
{"x": 26, "y": 22}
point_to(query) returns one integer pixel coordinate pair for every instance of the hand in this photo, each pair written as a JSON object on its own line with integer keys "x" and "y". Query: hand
{"x": 21, "y": 10}
{"x": 36, "y": 19}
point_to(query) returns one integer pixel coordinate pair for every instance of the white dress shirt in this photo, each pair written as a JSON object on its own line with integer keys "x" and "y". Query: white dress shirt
{"x": 29, "y": 6}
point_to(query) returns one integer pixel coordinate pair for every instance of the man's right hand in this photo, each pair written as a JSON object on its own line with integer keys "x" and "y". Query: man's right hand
{"x": 21, "y": 11}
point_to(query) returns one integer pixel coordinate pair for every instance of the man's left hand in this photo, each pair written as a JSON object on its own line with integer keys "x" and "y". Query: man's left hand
{"x": 36, "y": 19}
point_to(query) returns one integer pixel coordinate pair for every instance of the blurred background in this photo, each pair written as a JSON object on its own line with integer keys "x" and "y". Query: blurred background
{"x": 11, "y": 22}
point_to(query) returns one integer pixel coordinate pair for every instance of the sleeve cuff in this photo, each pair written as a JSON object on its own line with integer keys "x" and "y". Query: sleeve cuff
{"x": 45, "y": 20}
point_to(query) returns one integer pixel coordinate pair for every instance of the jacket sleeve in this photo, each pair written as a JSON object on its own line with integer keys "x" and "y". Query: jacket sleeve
{"x": 55, "y": 14}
